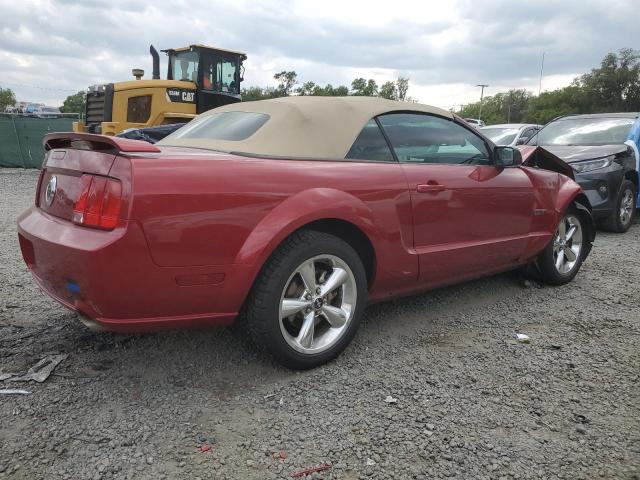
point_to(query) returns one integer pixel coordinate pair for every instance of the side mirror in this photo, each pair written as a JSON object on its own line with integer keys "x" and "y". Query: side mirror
{"x": 507, "y": 157}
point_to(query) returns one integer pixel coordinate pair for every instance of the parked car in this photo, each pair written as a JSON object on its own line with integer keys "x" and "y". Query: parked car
{"x": 511, "y": 134}
{"x": 633, "y": 140}
{"x": 476, "y": 122}
{"x": 47, "y": 112}
{"x": 293, "y": 213}
{"x": 30, "y": 110}
{"x": 606, "y": 167}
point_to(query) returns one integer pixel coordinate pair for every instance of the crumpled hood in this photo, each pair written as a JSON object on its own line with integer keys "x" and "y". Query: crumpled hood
{"x": 533, "y": 156}
{"x": 578, "y": 153}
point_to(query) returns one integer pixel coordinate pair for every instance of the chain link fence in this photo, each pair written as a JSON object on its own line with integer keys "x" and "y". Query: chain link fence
{"x": 21, "y": 138}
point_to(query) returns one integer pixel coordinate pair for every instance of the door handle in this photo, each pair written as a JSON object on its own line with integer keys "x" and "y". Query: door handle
{"x": 430, "y": 188}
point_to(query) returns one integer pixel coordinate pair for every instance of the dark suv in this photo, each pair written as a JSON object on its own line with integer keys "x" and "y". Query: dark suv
{"x": 604, "y": 165}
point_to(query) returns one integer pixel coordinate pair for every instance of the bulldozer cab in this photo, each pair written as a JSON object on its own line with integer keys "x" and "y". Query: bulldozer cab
{"x": 217, "y": 74}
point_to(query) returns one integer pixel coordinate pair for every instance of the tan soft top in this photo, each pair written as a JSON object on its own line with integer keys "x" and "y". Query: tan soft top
{"x": 304, "y": 126}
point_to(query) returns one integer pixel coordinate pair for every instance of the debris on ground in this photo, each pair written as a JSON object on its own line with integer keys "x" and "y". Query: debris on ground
{"x": 370, "y": 462}
{"x": 205, "y": 448}
{"x": 281, "y": 455}
{"x": 41, "y": 370}
{"x": 522, "y": 338}
{"x": 309, "y": 471}
{"x": 13, "y": 391}
{"x": 390, "y": 399}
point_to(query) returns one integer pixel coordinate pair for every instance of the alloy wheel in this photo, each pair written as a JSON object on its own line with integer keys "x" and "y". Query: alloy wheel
{"x": 317, "y": 304}
{"x": 567, "y": 244}
{"x": 626, "y": 207}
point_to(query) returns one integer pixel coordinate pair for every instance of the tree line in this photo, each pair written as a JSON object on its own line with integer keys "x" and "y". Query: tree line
{"x": 613, "y": 86}
{"x": 287, "y": 81}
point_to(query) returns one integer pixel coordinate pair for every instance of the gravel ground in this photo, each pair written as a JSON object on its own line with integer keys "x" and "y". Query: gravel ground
{"x": 471, "y": 402}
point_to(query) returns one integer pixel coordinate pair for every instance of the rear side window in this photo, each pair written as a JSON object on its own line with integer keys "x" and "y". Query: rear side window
{"x": 230, "y": 126}
{"x": 370, "y": 145}
{"x": 527, "y": 134}
{"x": 422, "y": 138}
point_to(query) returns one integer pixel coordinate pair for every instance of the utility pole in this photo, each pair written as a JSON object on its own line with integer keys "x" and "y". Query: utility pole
{"x": 541, "y": 72}
{"x": 482, "y": 86}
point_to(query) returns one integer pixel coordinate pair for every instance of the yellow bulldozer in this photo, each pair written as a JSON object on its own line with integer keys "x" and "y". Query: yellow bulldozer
{"x": 199, "y": 78}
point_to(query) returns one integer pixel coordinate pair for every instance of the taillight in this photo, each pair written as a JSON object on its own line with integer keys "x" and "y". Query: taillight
{"x": 99, "y": 202}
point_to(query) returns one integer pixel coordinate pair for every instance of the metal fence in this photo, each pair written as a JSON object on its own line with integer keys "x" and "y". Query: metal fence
{"x": 21, "y": 138}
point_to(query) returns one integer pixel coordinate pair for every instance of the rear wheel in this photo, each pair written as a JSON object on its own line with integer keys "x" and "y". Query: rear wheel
{"x": 307, "y": 302}
{"x": 624, "y": 210}
{"x": 561, "y": 259}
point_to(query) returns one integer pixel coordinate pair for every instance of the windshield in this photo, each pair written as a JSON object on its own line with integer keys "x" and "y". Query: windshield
{"x": 584, "y": 131}
{"x": 230, "y": 126}
{"x": 501, "y": 136}
{"x": 184, "y": 66}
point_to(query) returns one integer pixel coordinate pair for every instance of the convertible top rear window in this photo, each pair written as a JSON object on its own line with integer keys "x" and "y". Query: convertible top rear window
{"x": 230, "y": 126}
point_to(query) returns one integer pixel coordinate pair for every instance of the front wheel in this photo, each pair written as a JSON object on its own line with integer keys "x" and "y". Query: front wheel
{"x": 624, "y": 210}
{"x": 561, "y": 259}
{"x": 306, "y": 305}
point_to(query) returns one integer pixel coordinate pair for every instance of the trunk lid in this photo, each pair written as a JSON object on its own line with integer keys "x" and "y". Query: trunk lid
{"x": 68, "y": 157}
{"x": 60, "y": 181}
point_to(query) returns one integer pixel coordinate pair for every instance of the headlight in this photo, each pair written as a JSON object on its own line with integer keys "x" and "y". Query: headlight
{"x": 589, "y": 165}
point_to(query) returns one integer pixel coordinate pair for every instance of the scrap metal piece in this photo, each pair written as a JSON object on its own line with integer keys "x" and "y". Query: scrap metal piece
{"x": 13, "y": 391}
{"x": 41, "y": 370}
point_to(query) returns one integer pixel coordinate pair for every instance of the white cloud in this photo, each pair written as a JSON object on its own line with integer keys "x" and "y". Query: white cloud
{"x": 52, "y": 48}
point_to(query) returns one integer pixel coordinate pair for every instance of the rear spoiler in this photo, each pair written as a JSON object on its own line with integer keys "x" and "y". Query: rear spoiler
{"x": 101, "y": 143}
{"x": 536, "y": 156}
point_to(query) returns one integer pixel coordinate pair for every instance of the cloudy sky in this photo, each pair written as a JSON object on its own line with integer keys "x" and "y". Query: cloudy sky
{"x": 52, "y": 48}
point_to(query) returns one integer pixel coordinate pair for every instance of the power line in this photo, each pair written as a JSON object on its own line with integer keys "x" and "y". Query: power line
{"x": 53, "y": 89}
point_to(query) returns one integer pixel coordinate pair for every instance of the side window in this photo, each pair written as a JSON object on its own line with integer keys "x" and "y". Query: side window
{"x": 422, "y": 138}
{"x": 526, "y": 135}
{"x": 370, "y": 145}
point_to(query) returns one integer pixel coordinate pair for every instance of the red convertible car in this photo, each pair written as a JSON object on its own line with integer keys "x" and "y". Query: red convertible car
{"x": 291, "y": 214}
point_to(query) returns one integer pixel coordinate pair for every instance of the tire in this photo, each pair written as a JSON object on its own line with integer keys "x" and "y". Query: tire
{"x": 555, "y": 262}
{"x": 624, "y": 210}
{"x": 323, "y": 322}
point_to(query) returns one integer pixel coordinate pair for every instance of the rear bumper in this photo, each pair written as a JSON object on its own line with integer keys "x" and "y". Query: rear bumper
{"x": 110, "y": 278}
